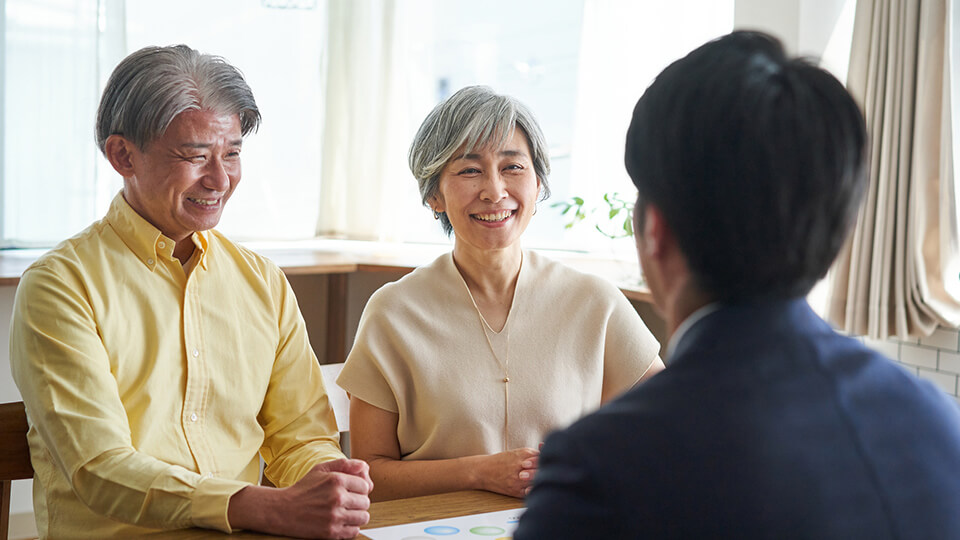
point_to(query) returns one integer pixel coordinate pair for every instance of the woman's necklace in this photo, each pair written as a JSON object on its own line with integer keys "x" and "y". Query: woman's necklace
{"x": 504, "y": 369}
{"x": 505, "y": 363}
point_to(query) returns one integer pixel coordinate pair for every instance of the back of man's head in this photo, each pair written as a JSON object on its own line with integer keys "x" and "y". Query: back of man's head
{"x": 151, "y": 86}
{"x": 756, "y": 162}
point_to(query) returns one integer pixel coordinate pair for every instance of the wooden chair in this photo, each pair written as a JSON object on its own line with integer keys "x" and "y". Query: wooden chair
{"x": 14, "y": 456}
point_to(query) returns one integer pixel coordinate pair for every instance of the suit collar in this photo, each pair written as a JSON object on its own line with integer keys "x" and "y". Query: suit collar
{"x": 737, "y": 322}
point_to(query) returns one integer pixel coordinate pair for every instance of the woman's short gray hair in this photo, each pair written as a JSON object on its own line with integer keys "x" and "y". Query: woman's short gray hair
{"x": 149, "y": 88}
{"x": 473, "y": 117}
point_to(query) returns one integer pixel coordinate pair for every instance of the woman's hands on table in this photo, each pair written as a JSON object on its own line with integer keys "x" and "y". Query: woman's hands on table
{"x": 511, "y": 472}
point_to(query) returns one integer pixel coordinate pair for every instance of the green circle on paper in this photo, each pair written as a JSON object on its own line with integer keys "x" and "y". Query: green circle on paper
{"x": 487, "y": 531}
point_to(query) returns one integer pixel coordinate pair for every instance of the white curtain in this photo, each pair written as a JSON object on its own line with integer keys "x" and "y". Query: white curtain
{"x": 623, "y": 46}
{"x": 364, "y": 172}
{"x": 892, "y": 278}
{"x": 55, "y": 56}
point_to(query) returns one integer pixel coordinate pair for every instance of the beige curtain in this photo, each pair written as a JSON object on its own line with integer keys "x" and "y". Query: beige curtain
{"x": 893, "y": 277}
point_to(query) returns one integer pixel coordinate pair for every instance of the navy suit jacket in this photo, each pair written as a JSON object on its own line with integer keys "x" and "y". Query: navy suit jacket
{"x": 766, "y": 424}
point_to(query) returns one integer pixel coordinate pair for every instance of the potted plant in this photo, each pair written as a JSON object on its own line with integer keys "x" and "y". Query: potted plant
{"x": 613, "y": 218}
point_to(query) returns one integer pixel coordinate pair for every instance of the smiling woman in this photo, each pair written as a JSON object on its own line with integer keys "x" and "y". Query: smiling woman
{"x": 460, "y": 369}
{"x": 489, "y": 195}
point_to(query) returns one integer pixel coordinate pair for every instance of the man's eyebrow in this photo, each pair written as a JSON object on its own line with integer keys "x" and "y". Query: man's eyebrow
{"x": 203, "y": 146}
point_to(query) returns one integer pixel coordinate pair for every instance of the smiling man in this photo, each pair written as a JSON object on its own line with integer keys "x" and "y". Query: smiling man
{"x": 158, "y": 360}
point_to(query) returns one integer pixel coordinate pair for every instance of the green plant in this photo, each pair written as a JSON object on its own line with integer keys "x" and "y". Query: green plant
{"x": 618, "y": 211}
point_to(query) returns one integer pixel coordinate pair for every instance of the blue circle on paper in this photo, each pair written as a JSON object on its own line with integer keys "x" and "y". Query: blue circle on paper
{"x": 441, "y": 530}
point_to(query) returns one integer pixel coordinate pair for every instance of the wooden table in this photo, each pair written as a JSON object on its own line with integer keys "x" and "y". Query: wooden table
{"x": 387, "y": 513}
{"x": 430, "y": 507}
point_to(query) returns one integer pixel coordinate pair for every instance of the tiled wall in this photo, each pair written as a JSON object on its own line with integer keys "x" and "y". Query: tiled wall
{"x": 936, "y": 358}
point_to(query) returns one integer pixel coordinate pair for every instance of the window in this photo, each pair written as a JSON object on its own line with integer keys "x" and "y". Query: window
{"x": 50, "y": 71}
{"x": 579, "y": 64}
{"x": 279, "y": 46}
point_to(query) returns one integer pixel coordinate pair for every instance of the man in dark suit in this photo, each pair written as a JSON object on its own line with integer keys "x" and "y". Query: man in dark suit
{"x": 766, "y": 423}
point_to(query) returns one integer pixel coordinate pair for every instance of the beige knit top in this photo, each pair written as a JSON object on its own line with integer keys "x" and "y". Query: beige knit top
{"x": 570, "y": 339}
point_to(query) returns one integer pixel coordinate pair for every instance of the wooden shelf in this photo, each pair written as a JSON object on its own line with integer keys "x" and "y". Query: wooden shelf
{"x": 338, "y": 259}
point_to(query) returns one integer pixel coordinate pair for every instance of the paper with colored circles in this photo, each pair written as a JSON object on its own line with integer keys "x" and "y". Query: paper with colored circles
{"x": 489, "y": 525}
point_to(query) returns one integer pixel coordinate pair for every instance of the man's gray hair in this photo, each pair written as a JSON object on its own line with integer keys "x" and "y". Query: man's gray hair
{"x": 472, "y": 118}
{"x": 149, "y": 88}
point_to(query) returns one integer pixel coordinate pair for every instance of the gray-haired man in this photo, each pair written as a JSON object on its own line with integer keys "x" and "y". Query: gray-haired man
{"x": 158, "y": 360}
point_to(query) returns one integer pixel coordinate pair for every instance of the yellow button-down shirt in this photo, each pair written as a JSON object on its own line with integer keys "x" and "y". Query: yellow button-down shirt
{"x": 151, "y": 392}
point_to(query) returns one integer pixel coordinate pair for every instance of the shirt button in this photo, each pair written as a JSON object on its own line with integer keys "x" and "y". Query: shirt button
{"x": 208, "y": 475}
{"x": 193, "y": 417}
{"x": 161, "y": 244}
{"x": 196, "y": 353}
{"x": 149, "y": 261}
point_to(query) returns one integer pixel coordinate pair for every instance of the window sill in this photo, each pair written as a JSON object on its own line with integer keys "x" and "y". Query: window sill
{"x": 331, "y": 256}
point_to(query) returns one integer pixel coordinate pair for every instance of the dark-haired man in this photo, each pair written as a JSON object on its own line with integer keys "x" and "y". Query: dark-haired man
{"x": 158, "y": 360}
{"x": 766, "y": 423}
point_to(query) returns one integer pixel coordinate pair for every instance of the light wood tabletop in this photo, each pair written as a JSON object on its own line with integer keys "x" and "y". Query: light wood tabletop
{"x": 385, "y": 514}
{"x": 444, "y": 505}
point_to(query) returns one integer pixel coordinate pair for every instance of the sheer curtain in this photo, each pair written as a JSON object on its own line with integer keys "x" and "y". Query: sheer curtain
{"x": 893, "y": 277}
{"x": 55, "y": 53}
{"x": 364, "y": 172}
{"x": 278, "y": 45}
{"x": 624, "y": 45}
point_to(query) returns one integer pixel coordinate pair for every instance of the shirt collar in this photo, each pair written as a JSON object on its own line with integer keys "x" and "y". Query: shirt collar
{"x": 145, "y": 240}
{"x": 688, "y": 323}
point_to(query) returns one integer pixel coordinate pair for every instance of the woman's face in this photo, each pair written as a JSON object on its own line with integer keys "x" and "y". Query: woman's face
{"x": 490, "y": 194}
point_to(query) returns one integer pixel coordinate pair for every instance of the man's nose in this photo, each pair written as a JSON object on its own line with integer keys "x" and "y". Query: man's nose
{"x": 217, "y": 175}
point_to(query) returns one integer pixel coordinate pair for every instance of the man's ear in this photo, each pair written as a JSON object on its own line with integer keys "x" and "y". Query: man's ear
{"x": 119, "y": 152}
{"x": 656, "y": 234}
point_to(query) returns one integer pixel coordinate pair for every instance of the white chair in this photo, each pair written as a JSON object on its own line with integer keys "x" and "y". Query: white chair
{"x": 340, "y": 402}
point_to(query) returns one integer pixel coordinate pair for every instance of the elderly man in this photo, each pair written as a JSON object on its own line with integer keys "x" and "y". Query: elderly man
{"x": 158, "y": 360}
{"x": 765, "y": 423}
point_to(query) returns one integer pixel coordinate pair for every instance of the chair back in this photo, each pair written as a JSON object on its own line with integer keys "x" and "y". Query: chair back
{"x": 14, "y": 456}
{"x": 338, "y": 397}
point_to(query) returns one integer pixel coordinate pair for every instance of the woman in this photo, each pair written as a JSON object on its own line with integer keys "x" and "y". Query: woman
{"x": 462, "y": 367}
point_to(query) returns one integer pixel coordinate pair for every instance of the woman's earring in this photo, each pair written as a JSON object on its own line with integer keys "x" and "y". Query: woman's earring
{"x": 436, "y": 215}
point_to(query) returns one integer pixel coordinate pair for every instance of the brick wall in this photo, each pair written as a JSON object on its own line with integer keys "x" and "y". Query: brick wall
{"x": 936, "y": 358}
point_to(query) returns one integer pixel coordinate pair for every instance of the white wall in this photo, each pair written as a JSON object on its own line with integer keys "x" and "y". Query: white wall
{"x": 780, "y": 18}
{"x": 804, "y": 26}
